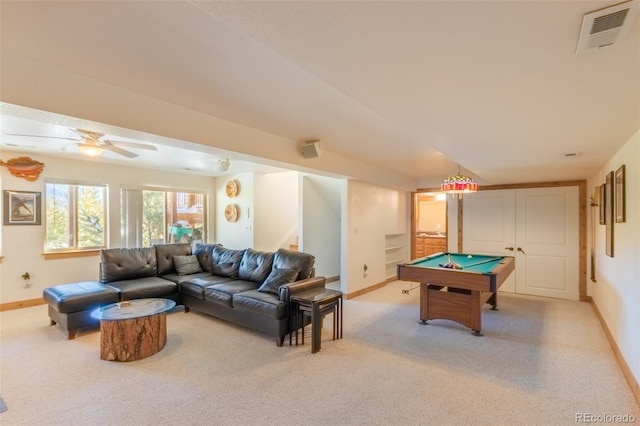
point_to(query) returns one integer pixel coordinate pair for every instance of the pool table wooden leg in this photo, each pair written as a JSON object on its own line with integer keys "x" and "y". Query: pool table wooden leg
{"x": 493, "y": 301}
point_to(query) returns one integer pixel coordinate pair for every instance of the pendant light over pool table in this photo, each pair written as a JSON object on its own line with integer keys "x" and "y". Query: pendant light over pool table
{"x": 459, "y": 184}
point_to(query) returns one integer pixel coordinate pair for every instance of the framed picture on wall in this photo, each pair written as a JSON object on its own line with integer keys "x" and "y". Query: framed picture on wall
{"x": 620, "y": 198}
{"x": 21, "y": 208}
{"x": 602, "y": 202}
{"x": 609, "y": 191}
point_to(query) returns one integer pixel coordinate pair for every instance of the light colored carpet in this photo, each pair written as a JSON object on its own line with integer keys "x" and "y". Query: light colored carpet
{"x": 541, "y": 361}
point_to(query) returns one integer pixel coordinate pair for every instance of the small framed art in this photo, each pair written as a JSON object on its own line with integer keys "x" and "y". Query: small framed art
{"x": 602, "y": 201}
{"x": 620, "y": 198}
{"x": 609, "y": 204}
{"x": 21, "y": 208}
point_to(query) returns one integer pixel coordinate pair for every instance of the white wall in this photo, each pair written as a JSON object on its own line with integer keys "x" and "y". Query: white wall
{"x": 22, "y": 246}
{"x": 616, "y": 292}
{"x": 268, "y": 205}
{"x": 238, "y": 234}
{"x": 275, "y": 210}
{"x": 371, "y": 212}
{"x": 321, "y": 210}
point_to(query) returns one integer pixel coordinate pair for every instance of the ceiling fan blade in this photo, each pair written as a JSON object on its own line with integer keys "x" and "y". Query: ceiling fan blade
{"x": 132, "y": 145}
{"x": 88, "y": 134}
{"x": 46, "y": 137}
{"x": 120, "y": 151}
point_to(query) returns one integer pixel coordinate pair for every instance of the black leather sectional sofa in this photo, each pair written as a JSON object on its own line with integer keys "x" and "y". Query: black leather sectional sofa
{"x": 247, "y": 287}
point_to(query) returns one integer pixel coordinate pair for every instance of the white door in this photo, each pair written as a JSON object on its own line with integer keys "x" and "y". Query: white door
{"x": 544, "y": 233}
{"x": 547, "y": 238}
{"x": 489, "y": 226}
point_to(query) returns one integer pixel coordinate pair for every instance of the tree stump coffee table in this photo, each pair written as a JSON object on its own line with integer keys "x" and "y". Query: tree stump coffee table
{"x": 134, "y": 329}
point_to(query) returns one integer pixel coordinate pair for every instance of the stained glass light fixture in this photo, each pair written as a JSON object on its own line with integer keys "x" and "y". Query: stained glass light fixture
{"x": 459, "y": 184}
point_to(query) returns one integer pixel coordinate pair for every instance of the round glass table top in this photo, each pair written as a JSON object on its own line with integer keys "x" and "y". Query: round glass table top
{"x": 133, "y": 309}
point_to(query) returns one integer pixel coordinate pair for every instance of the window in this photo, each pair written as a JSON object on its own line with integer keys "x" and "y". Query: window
{"x": 152, "y": 216}
{"x": 75, "y": 216}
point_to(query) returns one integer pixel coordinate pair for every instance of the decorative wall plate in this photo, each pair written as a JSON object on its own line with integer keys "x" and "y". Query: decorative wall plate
{"x": 231, "y": 213}
{"x": 24, "y": 167}
{"x": 232, "y": 188}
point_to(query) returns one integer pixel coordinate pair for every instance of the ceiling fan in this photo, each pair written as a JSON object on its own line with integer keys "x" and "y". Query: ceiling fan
{"x": 90, "y": 143}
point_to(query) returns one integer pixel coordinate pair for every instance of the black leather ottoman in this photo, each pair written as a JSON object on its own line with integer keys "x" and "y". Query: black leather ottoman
{"x": 70, "y": 305}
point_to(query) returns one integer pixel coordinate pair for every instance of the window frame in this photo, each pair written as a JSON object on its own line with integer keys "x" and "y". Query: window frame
{"x": 73, "y": 209}
{"x": 132, "y": 212}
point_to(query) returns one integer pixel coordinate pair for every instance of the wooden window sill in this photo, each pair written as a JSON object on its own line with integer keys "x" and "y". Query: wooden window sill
{"x": 70, "y": 254}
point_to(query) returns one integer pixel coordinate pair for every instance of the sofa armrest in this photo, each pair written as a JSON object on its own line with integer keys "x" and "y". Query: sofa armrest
{"x": 287, "y": 290}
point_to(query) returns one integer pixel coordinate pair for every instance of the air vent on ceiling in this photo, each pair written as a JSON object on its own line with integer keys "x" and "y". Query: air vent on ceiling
{"x": 604, "y": 27}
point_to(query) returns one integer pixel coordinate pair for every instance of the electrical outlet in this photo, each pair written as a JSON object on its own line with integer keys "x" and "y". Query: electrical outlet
{"x": 27, "y": 279}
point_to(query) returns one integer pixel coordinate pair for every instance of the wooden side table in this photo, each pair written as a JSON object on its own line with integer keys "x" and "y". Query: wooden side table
{"x": 133, "y": 330}
{"x": 316, "y": 304}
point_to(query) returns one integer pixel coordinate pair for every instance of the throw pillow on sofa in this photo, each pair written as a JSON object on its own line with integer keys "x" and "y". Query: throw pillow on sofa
{"x": 226, "y": 262}
{"x": 276, "y": 278}
{"x": 165, "y": 253}
{"x": 187, "y": 265}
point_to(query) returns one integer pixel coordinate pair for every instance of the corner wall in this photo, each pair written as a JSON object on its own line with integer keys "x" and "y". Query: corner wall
{"x": 371, "y": 213}
{"x": 321, "y": 219}
{"x": 275, "y": 198}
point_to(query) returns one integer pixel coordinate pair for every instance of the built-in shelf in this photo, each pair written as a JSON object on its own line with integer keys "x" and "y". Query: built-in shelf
{"x": 395, "y": 247}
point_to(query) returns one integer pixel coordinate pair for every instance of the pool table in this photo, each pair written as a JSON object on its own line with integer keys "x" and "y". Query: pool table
{"x": 457, "y": 294}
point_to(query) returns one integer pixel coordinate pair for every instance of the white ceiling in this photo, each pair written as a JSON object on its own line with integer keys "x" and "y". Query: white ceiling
{"x": 411, "y": 88}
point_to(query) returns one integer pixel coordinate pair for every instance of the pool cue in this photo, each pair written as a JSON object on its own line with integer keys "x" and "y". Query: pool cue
{"x": 481, "y": 262}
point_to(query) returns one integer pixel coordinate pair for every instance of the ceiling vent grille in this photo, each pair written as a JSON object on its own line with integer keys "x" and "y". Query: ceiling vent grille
{"x": 604, "y": 27}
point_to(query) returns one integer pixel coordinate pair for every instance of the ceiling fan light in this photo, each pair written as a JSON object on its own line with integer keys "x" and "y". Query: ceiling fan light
{"x": 90, "y": 150}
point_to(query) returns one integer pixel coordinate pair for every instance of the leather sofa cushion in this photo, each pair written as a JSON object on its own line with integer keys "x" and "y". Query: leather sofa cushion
{"x": 82, "y": 296}
{"x": 287, "y": 259}
{"x": 195, "y": 286}
{"x": 261, "y": 303}
{"x": 141, "y": 288}
{"x": 204, "y": 253}
{"x": 165, "y": 253}
{"x": 127, "y": 263}
{"x": 255, "y": 265}
{"x": 226, "y": 261}
{"x": 187, "y": 265}
{"x": 179, "y": 279}
{"x": 276, "y": 278}
{"x": 223, "y": 293}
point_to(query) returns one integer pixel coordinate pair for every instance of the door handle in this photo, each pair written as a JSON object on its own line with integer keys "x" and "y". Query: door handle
{"x": 520, "y": 250}
{"x": 509, "y": 248}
